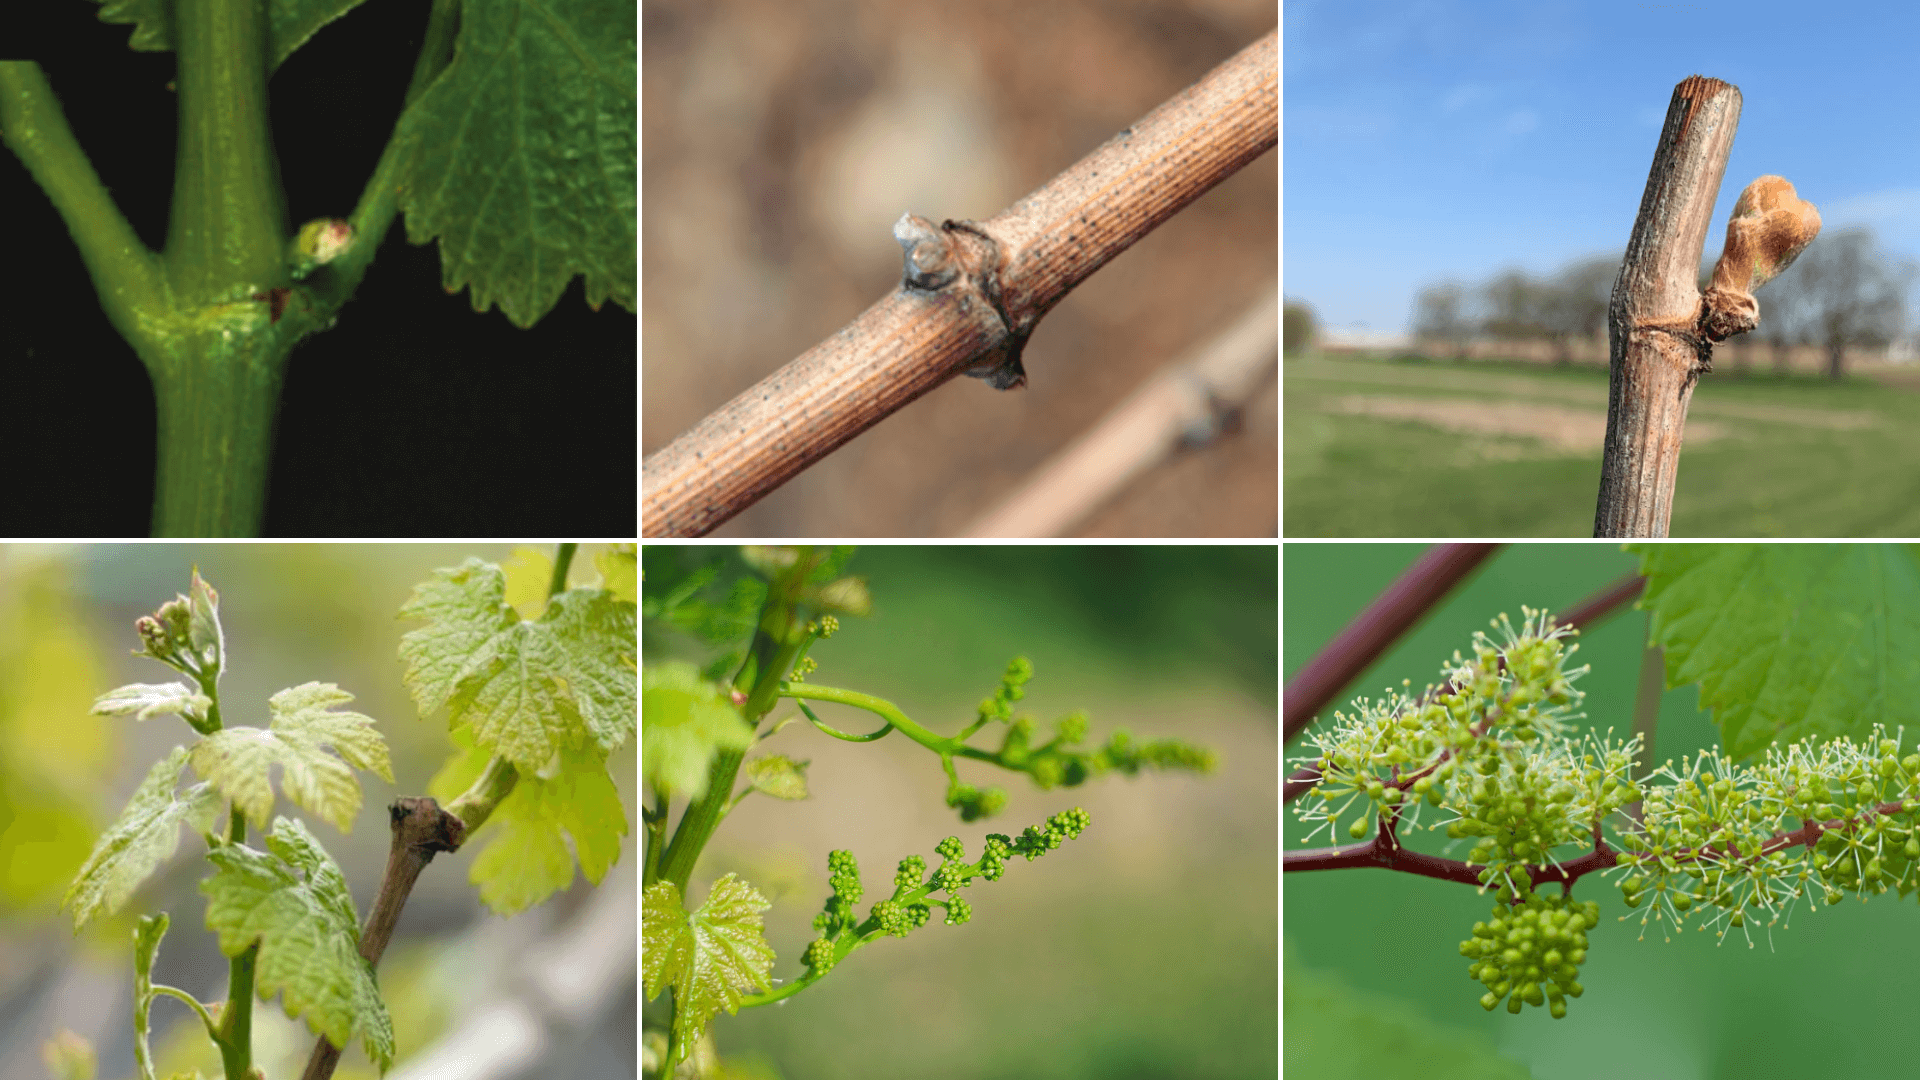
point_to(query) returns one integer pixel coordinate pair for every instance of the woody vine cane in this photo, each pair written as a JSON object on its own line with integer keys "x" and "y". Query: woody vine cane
{"x": 1660, "y": 328}
{"x": 970, "y": 295}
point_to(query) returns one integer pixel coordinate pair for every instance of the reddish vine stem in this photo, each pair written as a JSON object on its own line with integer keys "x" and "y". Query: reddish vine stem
{"x": 970, "y": 295}
{"x": 1582, "y": 615}
{"x": 1385, "y": 852}
{"x": 1418, "y": 590}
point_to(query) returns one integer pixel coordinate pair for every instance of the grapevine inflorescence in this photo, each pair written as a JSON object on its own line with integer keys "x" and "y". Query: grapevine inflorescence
{"x": 911, "y": 905}
{"x": 1497, "y": 751}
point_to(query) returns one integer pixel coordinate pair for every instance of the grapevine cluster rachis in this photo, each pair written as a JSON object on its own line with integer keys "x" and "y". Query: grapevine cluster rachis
{"x": 1738, "y": 845}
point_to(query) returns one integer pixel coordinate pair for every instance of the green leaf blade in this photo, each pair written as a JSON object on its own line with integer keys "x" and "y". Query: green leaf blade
{"x": 527, "y": 857}
{"x": 239, "y": 760}
{"x": 465, "y": 609}
{"x": 143, "y": 701}
{"x": 711, "y": 957}
{"x": 528, "y": 690}
{"x": 289, "y": 23}
{"x": 1789, "y": 641}
{"x": 779, "y": 776}
{"x": 146, "y": 835}
{"x": 522, "y": 155}
{"x": 292, "y": 901}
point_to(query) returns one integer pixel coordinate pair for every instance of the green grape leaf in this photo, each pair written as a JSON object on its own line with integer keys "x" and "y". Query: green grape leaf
{"x": 686, "y": 720}
{"x": 1789, "y": 641}
{"x": 779, "y": 776}
{"x": 711, "y": 957}
{"x": 528, "y": 689}
{"x": 237, "y": 760}
{"x": 147, "y": 700}
{"x": 146, "y": 835}
{"x": 520, "y": 157}
{"x": 292, "y": 900}
{"x": 289, "y": 23}
{"x": 527, "y": 857}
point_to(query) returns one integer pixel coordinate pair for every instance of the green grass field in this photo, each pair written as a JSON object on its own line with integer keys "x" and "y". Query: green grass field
{"x": 1766, "y": 455}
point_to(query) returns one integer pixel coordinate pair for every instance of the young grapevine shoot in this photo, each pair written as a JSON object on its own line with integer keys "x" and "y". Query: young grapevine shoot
{"x": 697, "y": 726}
{"x": 536, "y": 705}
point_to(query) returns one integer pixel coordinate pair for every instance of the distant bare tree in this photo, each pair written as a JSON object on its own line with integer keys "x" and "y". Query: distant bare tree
{"x": 1575, "y": 302}
{"x": 1441, "y": 313}
{"x": 1842, "y": 292}
{"x": 1298, "y": 326}
{"x": 1518, "y": 306}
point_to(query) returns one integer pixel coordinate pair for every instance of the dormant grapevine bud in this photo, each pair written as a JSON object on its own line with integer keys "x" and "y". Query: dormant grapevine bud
{"x": 929, "y": 260}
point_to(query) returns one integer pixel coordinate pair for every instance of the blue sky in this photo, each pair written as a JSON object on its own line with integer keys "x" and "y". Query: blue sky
{"x": 1432, "y": 139}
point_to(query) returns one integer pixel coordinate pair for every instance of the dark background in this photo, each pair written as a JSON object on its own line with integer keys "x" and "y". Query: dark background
{"x": 414, "y": 416}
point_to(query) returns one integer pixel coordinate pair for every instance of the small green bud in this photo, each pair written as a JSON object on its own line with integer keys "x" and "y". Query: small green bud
{"x": 320, "y": 241}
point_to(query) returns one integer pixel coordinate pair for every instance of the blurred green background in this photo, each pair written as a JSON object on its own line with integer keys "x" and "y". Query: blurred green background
{"x": 292, "y": 613}
{"x": 1374, "y": 983}
{"x": 1146, "y": 948}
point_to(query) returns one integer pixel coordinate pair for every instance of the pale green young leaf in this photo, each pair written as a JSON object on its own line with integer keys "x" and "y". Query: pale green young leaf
{"x": 528, "y": 689}
{"x": 146, "y": 835}
{"x": 711, "y": 957}
{"x": 778, "y": 775}
{"x": 293, "y": 902}
{"x": 289, "y": 23}
{"x": 237, "y": 760}
{"x": 521, "y": 155}
{"x": 1789, "y": 641}
{"x": 529, "y": 572}
{"x": 619, "y": 572}
{"x": 534, "y": 836}
{"x": 147, "y": 700}
{"x": 686, "y": 720}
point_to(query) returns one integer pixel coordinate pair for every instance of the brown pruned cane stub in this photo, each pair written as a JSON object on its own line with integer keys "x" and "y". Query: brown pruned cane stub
{"x": 1661, "y": 329}
{"x": 971, "y": 294}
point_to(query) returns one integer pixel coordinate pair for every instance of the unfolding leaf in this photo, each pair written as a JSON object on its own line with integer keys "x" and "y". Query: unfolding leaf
{"x": 147, "y": 700}
{"x": 711, "y": 957}
{"x": 521, "y": 155}
{"x": 685, "y": 721}
{"x": 146, "y": 835}
{"x": 778, "y": 775}
{"x": 528, "y": 689}
{"x": 237, "y": 760}
{"x": 527, "y": 856}
{"x": 1789, "y": 641}
{"x": 289, "y": 23}
{"x": 293, "y": 902}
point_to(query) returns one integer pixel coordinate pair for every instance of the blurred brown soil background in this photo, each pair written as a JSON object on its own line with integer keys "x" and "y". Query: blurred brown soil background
{"x": 782, "y": 138}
